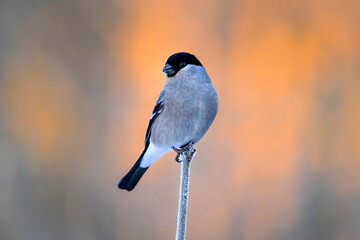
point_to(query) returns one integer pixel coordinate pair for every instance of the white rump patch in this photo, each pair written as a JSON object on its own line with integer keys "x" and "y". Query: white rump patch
{"x": 152, "y": 154}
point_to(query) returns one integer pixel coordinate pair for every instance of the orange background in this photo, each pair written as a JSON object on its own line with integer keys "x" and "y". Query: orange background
{"x": 79, "y": 80}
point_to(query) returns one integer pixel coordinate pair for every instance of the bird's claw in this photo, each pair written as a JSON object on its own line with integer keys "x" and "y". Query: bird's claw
{"x": 181, "y": 150}
{"x": 178, "y": 151}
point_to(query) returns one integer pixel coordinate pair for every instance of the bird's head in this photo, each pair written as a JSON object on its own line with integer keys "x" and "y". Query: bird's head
{"x": 179, "y": 61}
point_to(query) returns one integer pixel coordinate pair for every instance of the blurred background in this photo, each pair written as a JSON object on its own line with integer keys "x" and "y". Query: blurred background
{"x": 78, "y": 82}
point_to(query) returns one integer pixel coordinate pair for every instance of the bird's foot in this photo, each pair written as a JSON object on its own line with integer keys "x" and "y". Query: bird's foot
{"x": 186, "y": 148}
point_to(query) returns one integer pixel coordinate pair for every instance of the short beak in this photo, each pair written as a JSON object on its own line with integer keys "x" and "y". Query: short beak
{"x": 169, "y": 70}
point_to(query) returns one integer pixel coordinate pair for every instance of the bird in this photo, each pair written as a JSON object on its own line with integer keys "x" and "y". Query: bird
{"x": 183, "y": 113}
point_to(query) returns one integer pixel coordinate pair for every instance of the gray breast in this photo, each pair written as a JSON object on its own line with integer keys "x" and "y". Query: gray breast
{"x": 189, "y": 110}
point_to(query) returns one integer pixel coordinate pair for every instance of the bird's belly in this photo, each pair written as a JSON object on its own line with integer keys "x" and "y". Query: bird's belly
{"x": 175, "y": 128}
{"x": 181, "y": 123}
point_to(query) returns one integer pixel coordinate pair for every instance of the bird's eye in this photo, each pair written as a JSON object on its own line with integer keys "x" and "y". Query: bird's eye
{"x": 182, "y": 65}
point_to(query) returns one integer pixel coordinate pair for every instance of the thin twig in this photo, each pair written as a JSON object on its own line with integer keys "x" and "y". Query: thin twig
{"x": 186, "y": 157}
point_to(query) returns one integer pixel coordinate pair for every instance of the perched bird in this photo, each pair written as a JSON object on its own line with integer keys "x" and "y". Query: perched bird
{"x": 183, "y": 113}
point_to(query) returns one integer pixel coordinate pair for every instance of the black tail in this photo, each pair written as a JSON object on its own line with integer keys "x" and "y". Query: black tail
{"x": 133, "y": 176}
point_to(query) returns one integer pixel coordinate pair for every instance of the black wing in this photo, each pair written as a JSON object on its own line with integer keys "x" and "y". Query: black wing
{"x": 156, "y": 112}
